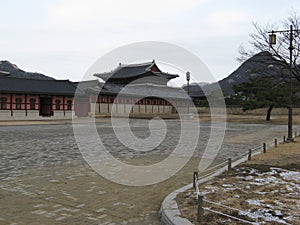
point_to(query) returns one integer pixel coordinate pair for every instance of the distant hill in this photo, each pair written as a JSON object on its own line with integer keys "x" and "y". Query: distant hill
{"x": 261, "y": 64}
{"x": 11, "y": 70}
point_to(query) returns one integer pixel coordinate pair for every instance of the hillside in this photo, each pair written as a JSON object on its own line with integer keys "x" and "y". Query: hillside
{"x": 11, "y": 70}
{"x": 261, "y": 64}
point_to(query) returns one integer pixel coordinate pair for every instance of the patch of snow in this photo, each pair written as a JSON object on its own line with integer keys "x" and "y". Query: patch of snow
{"x": 277, "y": 202}
{"x": 257, "y": 183}
{"x": 212, "y": 188}
{"x": 254, "y": 202}
{"x": 266, "y": 180}
{"x": 231, "y": 189}
{"x": 278, "y": 213}
{"x": 248, "y": 178}
{"x": 289, "y": 218}
{"x": 227, "y": 185}
{"x": 261, "y": 192}
{"x": 269, "y": 206}
{"x": 262, "y": 214}
{"x": 290, "y": 176}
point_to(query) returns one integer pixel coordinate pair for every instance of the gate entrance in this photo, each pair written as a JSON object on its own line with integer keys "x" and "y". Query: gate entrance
{"x": 46, "y": 106}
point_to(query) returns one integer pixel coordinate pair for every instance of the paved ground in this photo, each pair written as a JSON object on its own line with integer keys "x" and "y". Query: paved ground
{"x": 44, "y": 180}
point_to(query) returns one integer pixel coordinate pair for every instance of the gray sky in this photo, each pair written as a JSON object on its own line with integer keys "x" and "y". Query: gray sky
{"x": 63, "y": 38}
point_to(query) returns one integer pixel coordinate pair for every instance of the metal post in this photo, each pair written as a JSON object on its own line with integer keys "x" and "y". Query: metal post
{"x": 275, "y": 144}
{"x": 264, "y": 147}
{"x": 272, "y": 41}
{"x": 249, "y": 154}
{"x": 200, "y": 209}
{"x": 290, "y": 107}
{"x": 188, "y": 77}
{"x": 229, "y": 164}
{"x": 195, "y": 174}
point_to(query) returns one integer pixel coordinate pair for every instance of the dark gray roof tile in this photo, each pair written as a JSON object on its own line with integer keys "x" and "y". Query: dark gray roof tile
{"x": 33, "y": 86}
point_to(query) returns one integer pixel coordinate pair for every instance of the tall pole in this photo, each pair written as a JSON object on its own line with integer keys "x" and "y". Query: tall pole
{"x": 290, "y": 107}
{"x": 188, "y": 77}
{"x": 272, "y": 40}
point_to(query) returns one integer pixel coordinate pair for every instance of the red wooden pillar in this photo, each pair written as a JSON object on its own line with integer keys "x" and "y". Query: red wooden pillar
{"x": 64, "y": 106}
{"x": 117, "y": 103}
{"x": 99, "y": 101}
{"x": 11, "y": 110}
{"x": 25, "y": 104}
{"x": 139, "y": 103}
{"x": 107, "y": 100}
{"x": 124, "y": 103}
{"x": 152, "y": 102}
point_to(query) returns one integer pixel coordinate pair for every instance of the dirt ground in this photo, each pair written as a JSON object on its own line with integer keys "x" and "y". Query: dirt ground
{"x": 255, "y": 119}
{"x": 203, "y": 117}
{"x": 265, "y": 190}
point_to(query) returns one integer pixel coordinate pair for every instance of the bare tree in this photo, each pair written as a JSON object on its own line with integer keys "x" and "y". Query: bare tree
{"x": 280, "y": 52}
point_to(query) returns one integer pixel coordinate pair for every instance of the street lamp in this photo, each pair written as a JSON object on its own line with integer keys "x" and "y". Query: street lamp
{"x": 272, "y": 41}
{"x": 188, "y": 77}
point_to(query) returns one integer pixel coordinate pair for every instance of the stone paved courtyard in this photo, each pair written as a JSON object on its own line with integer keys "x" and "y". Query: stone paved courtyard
{"x": 44, "y": 179}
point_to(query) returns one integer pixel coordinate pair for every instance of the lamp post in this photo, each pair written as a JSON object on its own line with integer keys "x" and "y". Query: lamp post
{"x": 188, "y": 77}
{"x": 272, "y": 41}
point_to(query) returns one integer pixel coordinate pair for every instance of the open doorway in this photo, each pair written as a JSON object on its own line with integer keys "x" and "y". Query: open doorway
{"x": 46, "y": 106}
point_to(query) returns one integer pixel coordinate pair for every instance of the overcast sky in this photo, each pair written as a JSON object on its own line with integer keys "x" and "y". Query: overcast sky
{"x": 63, "y": 38}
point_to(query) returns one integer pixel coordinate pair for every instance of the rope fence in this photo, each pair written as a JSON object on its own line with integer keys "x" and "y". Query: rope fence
{"x": 228, "y": 164}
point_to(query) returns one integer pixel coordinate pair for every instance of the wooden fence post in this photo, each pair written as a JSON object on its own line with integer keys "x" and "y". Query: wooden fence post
{"x": 264, "y": 147}
{"x": 275, "y": 143}
{"x": 249, "y": 154}
{"x": 195, "y": 174}
{"x": 200, "y": 209}
{"x": 229, "y": 164}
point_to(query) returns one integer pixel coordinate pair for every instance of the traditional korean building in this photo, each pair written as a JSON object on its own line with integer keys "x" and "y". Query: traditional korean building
{"x": 133, "y": 88}
{"x": 31, "y": 99}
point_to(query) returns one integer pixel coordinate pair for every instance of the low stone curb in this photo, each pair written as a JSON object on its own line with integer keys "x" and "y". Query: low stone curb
{"x": 169, "y": 213}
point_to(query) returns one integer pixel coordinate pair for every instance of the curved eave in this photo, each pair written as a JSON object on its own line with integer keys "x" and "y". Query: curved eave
{"x": 145, "y": 90}
{"x": 166, "y": 76}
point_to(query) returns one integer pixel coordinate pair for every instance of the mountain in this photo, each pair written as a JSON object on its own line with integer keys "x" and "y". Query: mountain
{"x": 11, "y": 70}
{"x": 260, "y": 65}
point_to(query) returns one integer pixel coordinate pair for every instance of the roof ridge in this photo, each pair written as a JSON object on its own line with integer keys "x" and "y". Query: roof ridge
{"x": 137, "y": 64}
{"x": 25, "y": 78}
{"x": 155, "y": 85}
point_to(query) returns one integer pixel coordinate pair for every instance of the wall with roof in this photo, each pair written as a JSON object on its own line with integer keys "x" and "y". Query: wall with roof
{"x": 27, "y": 107}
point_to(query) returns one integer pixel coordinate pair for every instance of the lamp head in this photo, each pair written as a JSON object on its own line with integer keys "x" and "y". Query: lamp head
{"x": 272, "y": 38}
{"x": 188, "y": 76}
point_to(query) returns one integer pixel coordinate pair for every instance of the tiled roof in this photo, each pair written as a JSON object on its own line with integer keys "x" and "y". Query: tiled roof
{"x": 134, "y": 70}
{"x": 33, "y": 86}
